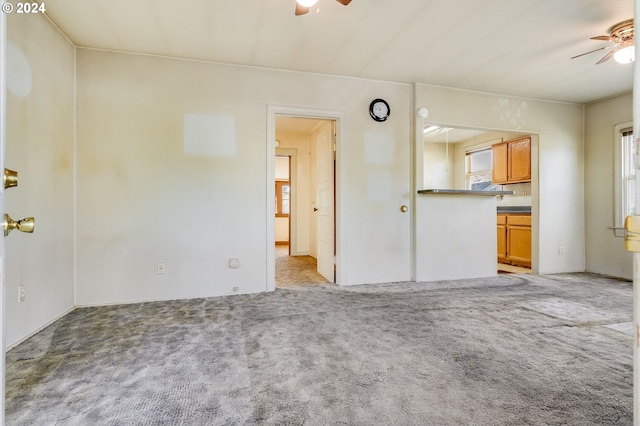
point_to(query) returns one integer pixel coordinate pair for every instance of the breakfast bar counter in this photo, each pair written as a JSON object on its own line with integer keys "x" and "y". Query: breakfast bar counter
{"x": 456, "y": 234}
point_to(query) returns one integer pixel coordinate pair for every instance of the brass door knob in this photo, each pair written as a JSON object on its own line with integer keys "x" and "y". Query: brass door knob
{"x": 404, "y": 209}
{"x": 10, "y": 178}
{"x": 23, "y": 225}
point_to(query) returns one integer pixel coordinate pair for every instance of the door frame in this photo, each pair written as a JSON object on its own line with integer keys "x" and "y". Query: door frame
{"x": 339, "y": 116}
{"x": 292, "y": 153}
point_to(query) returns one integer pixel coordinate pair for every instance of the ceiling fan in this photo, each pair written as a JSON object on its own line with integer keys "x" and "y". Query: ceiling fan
{"x": 622, "y": 35}
{"x": 302, "y": 6}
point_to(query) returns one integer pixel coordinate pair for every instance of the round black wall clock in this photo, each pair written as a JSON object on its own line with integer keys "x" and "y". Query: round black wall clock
{"x": 379, "y": 109}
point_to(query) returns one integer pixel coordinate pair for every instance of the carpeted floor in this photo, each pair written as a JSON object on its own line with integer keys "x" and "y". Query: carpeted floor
{"x": 510, "y": 350}
{"x": 296, "y": 270}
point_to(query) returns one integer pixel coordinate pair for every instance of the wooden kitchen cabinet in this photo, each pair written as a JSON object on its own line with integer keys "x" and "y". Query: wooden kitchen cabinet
{"x": 519, "y": 240}
{"x": 500, "y": 163}
{"x": 514, "y": 239}
{"x": 502, "y": 238}
{"x": 512, "y": 161}
{"x": 519, "y": 160}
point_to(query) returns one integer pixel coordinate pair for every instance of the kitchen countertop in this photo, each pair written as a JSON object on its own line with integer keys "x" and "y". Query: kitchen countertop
{"x": 464, "y": 192}
{"x": 514, "y": 209}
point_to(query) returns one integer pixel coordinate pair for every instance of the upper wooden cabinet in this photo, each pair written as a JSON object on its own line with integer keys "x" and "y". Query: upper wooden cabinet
{"x": 512, "y": 161}
{"x": 519, "y": 160}
{"x": 500, "y": 172}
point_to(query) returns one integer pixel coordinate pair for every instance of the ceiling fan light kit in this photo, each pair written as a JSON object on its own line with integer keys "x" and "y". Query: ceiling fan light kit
{"x": 626, "y": 55}
{"x": 622, "y": 35}
{"x": 302, "y": 6}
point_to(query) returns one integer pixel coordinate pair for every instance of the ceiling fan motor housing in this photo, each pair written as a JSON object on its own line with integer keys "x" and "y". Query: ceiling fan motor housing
{"x": 622, "y": 32}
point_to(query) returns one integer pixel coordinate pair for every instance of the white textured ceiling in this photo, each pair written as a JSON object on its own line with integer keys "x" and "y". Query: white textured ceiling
{"x": 512, "y": 47}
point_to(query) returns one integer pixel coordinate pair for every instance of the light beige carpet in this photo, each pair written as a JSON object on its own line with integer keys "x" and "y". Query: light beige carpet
{"x": 296, "y": 270}
{"x": 503, "y": 351}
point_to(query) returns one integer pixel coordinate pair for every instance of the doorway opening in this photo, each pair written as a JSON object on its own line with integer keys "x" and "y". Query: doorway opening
{"x": 465, "y": 159}
{"x": 304, "y": 200}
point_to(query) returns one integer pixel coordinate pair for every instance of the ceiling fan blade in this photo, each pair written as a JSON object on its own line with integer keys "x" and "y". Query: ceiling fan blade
{"x": 604, "y": 38}
{"x": 344, "y": 2}
{"x": 607, "y": 57}
{"x": 595, "y": 50}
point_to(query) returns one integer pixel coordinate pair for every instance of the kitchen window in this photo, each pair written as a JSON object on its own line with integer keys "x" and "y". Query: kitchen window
{"x": 625, "y": 175}
{"x": 478, "y": 169}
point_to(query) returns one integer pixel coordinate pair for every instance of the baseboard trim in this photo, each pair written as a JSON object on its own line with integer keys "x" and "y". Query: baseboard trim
{"x": 39, "y": 329}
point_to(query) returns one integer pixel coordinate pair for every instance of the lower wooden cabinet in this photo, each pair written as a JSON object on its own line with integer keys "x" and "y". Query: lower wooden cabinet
{"x": 514, "y": 239}
{"x": 502, "y": 238}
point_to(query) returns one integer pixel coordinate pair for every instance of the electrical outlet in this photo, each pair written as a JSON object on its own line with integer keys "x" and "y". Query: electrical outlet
{"x": 236, "y": 289}
{"x": 561, "y": 250}
{"x": 21, "y": 293}
{"x": 162, "y": 268}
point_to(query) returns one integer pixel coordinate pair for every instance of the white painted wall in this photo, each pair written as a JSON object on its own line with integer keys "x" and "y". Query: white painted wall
{"x": 282, "y": 168}
{"x": 557, "y": 162}
{"x": 282, "y": 229}
{"x": 439, "y": 166}
{"x": 142, "y": 199}
{"x": 40, "y": 146}
{"x": 605, "y": 253}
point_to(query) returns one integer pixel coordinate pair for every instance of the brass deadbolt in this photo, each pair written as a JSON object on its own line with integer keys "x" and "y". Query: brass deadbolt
{"x": 10, "y": 178}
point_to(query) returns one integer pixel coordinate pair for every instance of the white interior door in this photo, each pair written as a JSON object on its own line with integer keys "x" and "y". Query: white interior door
{"x": 3, "y": 122}
{"x": 325, "y": 215}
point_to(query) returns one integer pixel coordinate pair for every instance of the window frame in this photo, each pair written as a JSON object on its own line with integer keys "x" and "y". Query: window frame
{"x": 278, "y": 187}
{"x": 623, "y": 171}
{"x": 467, "y": 166}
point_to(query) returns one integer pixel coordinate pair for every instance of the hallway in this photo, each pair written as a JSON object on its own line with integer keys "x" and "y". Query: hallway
{"x": 296, "y": 270}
